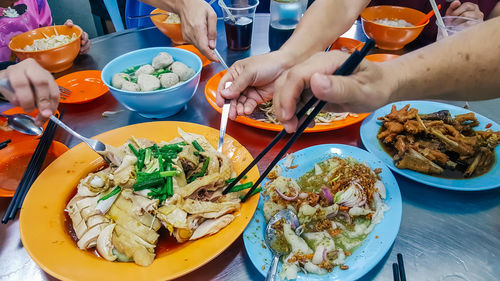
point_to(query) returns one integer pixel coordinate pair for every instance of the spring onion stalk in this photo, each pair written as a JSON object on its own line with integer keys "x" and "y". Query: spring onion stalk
{"x": 147, "y": 156}
{"x": 115, "y": 191}
{"x": 140, "y": 161}
{"x": 160, "y": 163}
{"x": 169, "y": 182}
{"x": 228, "y": 181}
{"x": 134, "y": 151}
{"x": 197, "y": 146}
{"x": 241, "y": 187}
{"x": 257, "y": 190}
{"x": 148, "y": 184}
{"x": 202, "y": 172}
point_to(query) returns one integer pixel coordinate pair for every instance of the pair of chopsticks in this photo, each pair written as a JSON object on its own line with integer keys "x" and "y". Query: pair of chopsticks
{"x": 345, "y": 69}
{"x": 398, "y": 269}
{"x": 31, "y": 172}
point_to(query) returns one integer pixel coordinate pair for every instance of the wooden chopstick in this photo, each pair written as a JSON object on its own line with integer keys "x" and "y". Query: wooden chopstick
{"x": 31, "y": 171}
{"x": 345, "y": 69}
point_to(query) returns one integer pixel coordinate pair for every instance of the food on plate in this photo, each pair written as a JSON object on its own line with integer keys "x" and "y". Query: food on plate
{"x": 393, "y": 22}
{"x": 338, "y": 203}
{"x": 438, "y": 143}
{"x": 121, "y": 208}
{"x": 163, "y": 73}
{"x": 49, "y": 42}
{"x": 323, "y": 117}
{"x": 173, "y": 18}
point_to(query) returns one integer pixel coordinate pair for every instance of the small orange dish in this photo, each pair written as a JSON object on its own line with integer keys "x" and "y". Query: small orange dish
{"x": 381, "y": 57}
{"x": 15, "y": 158}
{"x": 172, "y": 30}
{"x": 347, "y": 45}
{"x": 191, "y": 48}
{"x": 54, "y": 60}
{"x": 84, "y": 85}
{"x": 389, "y": 37}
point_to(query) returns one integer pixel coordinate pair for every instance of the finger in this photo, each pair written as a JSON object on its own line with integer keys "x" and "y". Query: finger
{"x": 254, "y": 98}
{"x": 69, "y": 23}
{"x": 241, "y": 81}
{"x": 473, "y": 15}
{"x": 453, "y": 6}
{"x": 335, "y": 89}
{"x": 287, "y": 93}
{"x": 39, "y": 79}
{"x": 240, "y": 108}
{"x": 467, "y": 6}
{"x": 22, "y": 88}
{"x": 232, "y": 110}
{"x": 201, "y": 39}
{"x": 290, "y": 125}
{"x": 212, "y": 29}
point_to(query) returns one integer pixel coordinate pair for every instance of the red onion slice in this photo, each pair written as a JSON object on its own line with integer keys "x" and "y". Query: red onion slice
{"x": 288, "y": 198}
{"x": 328, "y": 195}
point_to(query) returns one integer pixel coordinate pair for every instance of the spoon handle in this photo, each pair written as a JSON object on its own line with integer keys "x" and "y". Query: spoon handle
{"x": 68, "y": 129}
{"x": 271, "y": 274}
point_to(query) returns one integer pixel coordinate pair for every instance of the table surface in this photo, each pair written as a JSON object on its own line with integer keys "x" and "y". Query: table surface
{"x": 444, "y": 235}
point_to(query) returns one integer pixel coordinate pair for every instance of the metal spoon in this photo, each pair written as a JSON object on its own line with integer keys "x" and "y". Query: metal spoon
{"x": 271, "y": 239}
{"x": 97, "y": 146}
{"x": 23, "y": 123}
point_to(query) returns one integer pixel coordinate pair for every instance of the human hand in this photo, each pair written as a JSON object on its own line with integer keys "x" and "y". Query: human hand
{"x": 252, "y": 83}
{"x": 467, "y": 9}
{"x": 34, "y": 87}
{"x": 369, "y": 87}
{"x": 199, "y": 25}
{"x": 85, "y": 42}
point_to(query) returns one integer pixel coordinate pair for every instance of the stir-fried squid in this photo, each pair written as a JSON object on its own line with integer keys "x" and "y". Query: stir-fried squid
{"x": 178, "y": 185}
{"x": 338, "y": 203}
{"x": 323, "y": 118}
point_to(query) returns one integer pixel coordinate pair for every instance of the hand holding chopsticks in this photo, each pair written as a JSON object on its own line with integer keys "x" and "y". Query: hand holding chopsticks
{"x": 345, "y": 69}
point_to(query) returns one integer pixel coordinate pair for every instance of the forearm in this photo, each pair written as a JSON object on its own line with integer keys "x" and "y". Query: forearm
{"x": 324, "y": 21}
{"x": 465, "y": 66}
{"x": 495, "y": 12}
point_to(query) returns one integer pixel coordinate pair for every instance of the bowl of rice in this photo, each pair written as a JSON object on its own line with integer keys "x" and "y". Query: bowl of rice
{"x": 170, "y": 25}
{"x": 53, "y": 47}
{"x": 392, "y": 27}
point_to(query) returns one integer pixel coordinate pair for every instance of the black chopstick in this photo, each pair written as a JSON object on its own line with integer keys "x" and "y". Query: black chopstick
{"x": 276, "y": 139}
{"x": 31, "y": 171}
{"x": 401, "y": 264}
{"x": 395, "y": 272}
{"x": 4, "y": 143}
{"x": 345, "y": 69}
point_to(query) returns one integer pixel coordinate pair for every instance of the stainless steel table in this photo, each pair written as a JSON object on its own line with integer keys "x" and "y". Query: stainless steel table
{"x": 444, "y": 235}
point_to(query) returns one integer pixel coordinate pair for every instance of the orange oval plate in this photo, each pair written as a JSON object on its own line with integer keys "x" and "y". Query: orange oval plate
{"x": 211, "y": 90}
{"x": 84, "y": 85}
{"x": 44, "y": 233}
{"x": 191, "y": 48}
{"x": 13, "y": 135}
{"x": 14, "y": 160}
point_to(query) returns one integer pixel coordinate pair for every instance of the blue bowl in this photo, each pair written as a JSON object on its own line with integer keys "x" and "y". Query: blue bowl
{"x": 160, "y": 103}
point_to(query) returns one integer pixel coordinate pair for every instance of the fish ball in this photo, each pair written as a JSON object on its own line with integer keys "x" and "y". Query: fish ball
{"x": 145, "y": 69}
{"x": 119, "y": 78}
{"x": 182, "y": 70}
{"x": 148, "y": 82}
{"x": 130, "y": 86}
{"x": 168, "y": 80}
{"x": 162, "y": 60}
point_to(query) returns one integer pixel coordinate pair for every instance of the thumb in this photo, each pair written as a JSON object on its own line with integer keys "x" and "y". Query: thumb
{"x": 333, "y": 89}
{"x": 212, "y": 29}
{"x": 69, "y": 23}
{"x": 240, "y": 83}
{"x": 453, "y": 6}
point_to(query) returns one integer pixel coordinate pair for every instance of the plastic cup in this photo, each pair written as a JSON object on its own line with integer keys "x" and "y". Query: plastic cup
{"x": 454, "y": 25}
{"x": 239, "y": 24}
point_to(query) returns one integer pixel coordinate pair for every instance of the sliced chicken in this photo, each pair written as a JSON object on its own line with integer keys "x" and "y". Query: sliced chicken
{"x": 104, "y": 244}
{"x": 210, "y": 227}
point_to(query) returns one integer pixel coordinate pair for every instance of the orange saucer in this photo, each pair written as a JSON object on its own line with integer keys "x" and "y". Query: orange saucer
{"x": 15, "y": 158}
{"x": 347, "y": 44}
{"x": 191, "y": 48}
{"x": 381, "y": 57}
{"x": 84, "y": 85}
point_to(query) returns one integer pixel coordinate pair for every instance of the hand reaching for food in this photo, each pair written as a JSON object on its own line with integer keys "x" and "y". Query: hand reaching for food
{"x": 252, "y": 82}
{"x": 466, "y": 9}
{"x": 360, "y": 92}
{"x": 85, "y": 42}
{"x": 34, "y": 87}
{"x": 199, "y": 25}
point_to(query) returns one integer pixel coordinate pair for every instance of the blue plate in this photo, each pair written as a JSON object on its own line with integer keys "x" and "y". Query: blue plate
{"x": 370, "y": 129}
{"x": 371, "y": 251}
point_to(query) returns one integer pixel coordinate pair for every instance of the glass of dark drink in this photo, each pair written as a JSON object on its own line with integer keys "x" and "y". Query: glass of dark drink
{"x": 285, "y": 15}
{"x": 238, "y": 21}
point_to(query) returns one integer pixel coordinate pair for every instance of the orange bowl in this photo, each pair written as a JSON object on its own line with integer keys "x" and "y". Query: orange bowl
{"x": 172, "y": 30}
{"x": 55, "y": 59}
{"x": 380, "y": 57}
{"x": 15, "y": 158}
{"x": 347, "y": 44}
{"x": 388, "y": 37}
